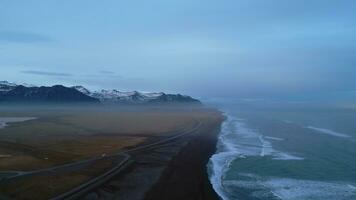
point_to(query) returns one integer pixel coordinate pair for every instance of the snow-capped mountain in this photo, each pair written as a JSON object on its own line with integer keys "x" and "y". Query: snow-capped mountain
{"x": 135, "y": 97}
{"x": 6, "y": 86}
{"x": 117, "y": 96}
{"x": 12, "y": 92}
{"x": 7, "y": 83}
{"x": 82, "y": 90}
{"x": 53, "y": 94}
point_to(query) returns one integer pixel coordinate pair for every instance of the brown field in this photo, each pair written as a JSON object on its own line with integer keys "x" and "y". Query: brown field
{"x": 46, "y": 186}
{"x": 65, "y": 135}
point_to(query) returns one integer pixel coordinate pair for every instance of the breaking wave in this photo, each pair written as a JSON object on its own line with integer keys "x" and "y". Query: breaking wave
{"x": 238, "y": 141}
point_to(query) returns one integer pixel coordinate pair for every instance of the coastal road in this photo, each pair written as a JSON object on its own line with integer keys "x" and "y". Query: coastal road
{"x": 96, "y": 182}
{"x": 123, "y": 158}
{"x": 12, "y": 175}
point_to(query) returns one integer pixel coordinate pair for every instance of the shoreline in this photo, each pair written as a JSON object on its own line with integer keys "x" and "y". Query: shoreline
{"x": 174, "y": 155}
{"x": 186, "y": 176}
{"x": 175, "y": 170}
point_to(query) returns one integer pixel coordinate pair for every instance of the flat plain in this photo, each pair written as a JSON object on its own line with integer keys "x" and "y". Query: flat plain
{"x": 65, "y": 134}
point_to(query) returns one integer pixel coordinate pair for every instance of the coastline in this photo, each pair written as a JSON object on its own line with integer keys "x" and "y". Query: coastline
{"x": 176, "y": 170}
{"x": 186, "y": 176}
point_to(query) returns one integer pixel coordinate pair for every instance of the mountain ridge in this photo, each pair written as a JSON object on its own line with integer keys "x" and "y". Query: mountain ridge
{"x": 11, "y": 92}
{"x": 53, "y": 94}
{"x": 136, "y": 97}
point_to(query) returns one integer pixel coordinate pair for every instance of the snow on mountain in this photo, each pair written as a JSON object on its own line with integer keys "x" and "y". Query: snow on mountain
{"x": 28, "y": 85}
{"x": 6, "y": 86}
{"x": 118, "y": 96}
{"x": 105, "y": 96}
{"x": 135, "y": 97}
{"x": 52, "y": 94}
{"x": 6, "y": 83}
{"x": 82, "y": 89}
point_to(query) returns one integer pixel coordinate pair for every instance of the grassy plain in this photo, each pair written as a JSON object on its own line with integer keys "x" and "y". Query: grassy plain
{"x": 65, "y": 134}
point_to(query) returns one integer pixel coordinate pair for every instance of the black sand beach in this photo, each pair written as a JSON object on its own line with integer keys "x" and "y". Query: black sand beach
{"x": 176, "y": 170}
{"x": 186, "y": 175}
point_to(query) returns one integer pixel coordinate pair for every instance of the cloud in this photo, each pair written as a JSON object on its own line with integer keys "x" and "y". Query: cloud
{"x": 23, "y": 37}
{"x": 45, "y": 73}
{"x": 106, "y": 72}
{"x": 103, "y": 74}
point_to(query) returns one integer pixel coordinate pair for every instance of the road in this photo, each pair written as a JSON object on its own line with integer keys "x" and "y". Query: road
{"x": 123, "y": 158}
{"x": 86, "y": 187}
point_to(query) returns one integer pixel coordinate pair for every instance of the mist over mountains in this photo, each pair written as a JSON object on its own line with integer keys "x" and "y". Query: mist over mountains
{"x": 14, "y": 93}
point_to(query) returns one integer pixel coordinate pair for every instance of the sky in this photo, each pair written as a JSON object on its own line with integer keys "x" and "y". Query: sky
{"x": 205, "y": 48}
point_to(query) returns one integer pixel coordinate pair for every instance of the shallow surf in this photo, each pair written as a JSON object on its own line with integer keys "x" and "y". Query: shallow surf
{"x": 250, "y": 164}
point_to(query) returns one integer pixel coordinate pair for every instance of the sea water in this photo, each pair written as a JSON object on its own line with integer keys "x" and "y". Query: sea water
{"x": 285, "y": 154}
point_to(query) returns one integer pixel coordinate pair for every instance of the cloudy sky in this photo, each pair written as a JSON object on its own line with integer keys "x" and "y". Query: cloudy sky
{"x": 240, "y": 48}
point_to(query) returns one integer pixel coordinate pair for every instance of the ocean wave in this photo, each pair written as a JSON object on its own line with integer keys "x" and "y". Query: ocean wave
{"x": 274, "y": 138}
{"x": 286, "y": 156}
{"x": 290, "y": 189}
{"x": 351, "y": 186}
{"x": 321, "y": 130}
{"x": 328, "y": 132}
{"x": 238, "y": 141}
{"x": 288, "y": 122}
{"x": 220, "y": 161}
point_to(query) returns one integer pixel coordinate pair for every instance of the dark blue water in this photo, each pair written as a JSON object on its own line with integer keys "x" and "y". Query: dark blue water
{"x": 285, "y": 153}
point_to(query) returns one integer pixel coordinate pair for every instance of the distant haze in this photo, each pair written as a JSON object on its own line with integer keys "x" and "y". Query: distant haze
{"x": 226, "y": 48}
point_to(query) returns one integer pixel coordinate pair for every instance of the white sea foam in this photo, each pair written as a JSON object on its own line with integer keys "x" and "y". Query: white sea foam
{"x": 291, "y": 189}
{"x": 274, "y": 138}
{"x": 288, "y": 121}
{"x": 351, "y": 186}
{"x": 266, "y": 147}
{"x": 286, "y": 156}
{"x": 322, "y": 130}
{"x": 220, "y": 161}
{"x": 328, "y": 132}
{"x": 238, "y": 141}
{"x": 5, "y": 120}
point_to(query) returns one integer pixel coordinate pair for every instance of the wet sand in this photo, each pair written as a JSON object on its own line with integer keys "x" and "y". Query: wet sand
{"x": 177, "y": 170}
{"x": 186, "y": 176}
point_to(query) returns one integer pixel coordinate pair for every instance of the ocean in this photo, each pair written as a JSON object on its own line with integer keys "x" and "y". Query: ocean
{"x": 290, "y": 152}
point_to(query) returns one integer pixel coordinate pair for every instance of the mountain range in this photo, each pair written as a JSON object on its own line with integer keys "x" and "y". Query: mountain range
{"x": 11, "y": 92}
